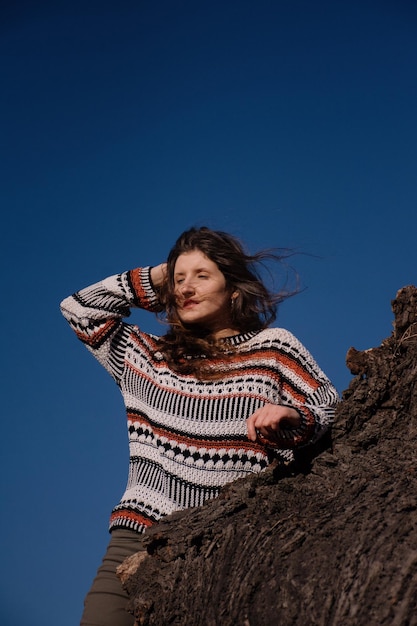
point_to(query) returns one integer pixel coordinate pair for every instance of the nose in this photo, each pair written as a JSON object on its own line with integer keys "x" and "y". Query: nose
{"x": 186, "y": 288}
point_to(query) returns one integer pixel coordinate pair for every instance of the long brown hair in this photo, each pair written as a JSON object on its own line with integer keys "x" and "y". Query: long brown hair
{"x": 187, "y": 347}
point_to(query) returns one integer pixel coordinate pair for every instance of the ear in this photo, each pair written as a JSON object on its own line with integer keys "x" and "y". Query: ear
{"x": 235, "y": 295}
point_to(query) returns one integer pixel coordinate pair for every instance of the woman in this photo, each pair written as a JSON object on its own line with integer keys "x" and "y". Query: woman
{"x": 216, "y": 398}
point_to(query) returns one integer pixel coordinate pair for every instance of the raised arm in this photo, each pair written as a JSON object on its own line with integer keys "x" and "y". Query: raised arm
{"x": 96, "y": 313}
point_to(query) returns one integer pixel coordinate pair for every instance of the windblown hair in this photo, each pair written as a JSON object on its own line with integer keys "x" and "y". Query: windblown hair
{"x": 188, "y": 347}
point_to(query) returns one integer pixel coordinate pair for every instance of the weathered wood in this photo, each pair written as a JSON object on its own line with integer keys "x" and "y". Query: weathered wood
{"x": 329, "y": 541}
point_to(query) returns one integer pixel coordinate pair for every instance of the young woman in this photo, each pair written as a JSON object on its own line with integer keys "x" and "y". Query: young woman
{"x": 216, "y": 398}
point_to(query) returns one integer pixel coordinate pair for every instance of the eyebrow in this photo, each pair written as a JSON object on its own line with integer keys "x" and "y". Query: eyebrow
{"x": 200, "y": 269}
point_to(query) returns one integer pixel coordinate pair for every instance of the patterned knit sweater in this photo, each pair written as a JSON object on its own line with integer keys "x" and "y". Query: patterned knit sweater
{"x": 187, "y": 437}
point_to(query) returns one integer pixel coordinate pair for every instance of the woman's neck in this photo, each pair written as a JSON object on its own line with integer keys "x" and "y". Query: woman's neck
{"x": 225, "y": 332}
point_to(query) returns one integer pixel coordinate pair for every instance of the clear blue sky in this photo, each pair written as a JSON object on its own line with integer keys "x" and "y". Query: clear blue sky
{"x": 288, "y": 123}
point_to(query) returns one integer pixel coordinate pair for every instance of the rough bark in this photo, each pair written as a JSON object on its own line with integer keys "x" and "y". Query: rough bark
{"x": 331, "y": 540}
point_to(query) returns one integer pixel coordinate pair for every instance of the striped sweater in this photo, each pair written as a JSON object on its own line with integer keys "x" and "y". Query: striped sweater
{"x": 187, "y": 437}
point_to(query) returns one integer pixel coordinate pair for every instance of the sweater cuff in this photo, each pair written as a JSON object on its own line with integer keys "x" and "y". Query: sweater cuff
{"x": 304, "y": 433}
{"x": 145, "y": 294}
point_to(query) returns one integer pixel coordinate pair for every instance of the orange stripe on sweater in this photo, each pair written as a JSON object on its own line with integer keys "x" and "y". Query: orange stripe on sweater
{"x": 136, "y": 281}
{"x": 97, "y": 336}
{"x": 290, "y": 391}
{"x": 292, "y": 364}
{"x": 240, "y": 358}
{"x": 131, "y": 515}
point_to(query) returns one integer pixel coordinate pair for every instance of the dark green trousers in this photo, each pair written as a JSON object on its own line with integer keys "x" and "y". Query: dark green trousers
{"x": 105, "y": 603}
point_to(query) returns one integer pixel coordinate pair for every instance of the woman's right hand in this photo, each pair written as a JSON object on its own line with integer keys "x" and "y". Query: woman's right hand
{"x": 158, "y": 274}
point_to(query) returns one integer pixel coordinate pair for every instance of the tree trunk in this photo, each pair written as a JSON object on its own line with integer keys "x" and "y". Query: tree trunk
{"x": 330, "y": 540}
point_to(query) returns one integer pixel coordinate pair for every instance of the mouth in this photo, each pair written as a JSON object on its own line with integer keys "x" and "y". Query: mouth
{"x": 189, "y": 304}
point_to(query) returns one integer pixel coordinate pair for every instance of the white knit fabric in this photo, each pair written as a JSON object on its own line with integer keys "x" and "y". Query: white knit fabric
{"x": 187, "y": 437}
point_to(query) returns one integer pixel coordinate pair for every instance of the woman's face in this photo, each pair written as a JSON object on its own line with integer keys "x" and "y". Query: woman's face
{"x": 201, "y": 293}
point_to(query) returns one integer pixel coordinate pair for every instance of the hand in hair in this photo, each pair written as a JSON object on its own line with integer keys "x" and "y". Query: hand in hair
{"x": 158, "y": 274}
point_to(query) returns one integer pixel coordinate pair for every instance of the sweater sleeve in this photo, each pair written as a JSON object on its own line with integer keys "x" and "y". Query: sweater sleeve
{"x": 96, "y": 313}
{"x": 306, "y": 388}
